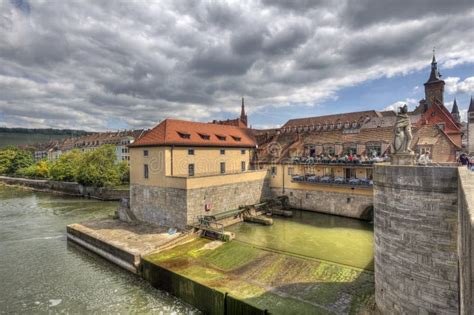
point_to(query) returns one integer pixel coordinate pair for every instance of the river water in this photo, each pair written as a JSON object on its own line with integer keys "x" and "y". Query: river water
{"x": 326, "y": 237}
{"x": 40, "y": 272}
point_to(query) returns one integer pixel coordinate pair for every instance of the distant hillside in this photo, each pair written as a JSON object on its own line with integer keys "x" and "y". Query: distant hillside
{"x": 21, "y": 136}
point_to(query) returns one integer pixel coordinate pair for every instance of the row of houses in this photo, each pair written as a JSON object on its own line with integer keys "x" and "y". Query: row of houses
{"x": 120, "y": 139}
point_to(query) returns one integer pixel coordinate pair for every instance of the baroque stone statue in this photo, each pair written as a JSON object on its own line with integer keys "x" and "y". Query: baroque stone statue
{"x": 402, "y": 132}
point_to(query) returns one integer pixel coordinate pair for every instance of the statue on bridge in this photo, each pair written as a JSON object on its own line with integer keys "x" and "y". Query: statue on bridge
{"x": 403, "y": 154}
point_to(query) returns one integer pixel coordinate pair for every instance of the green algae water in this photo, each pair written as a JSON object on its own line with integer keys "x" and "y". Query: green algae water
{"x": 40, "y": 272}
{"x": 327, "y": 237}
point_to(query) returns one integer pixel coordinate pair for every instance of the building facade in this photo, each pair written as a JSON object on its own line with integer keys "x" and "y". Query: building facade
{"x": 181, "y": 170}
{"x": 325, "y": 163}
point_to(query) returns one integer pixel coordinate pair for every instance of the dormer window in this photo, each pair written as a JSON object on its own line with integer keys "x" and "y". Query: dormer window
{"x": 236, "y": 138}
{"x": 204, "y": 136}
{"x": 220, "y": 137}
{"x": 184, "y": 135}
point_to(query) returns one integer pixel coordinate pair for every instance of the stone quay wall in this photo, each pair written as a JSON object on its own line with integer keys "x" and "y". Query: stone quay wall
{"x": 415, "y": 229}
{"x": 164, "y": 206}
{"x": 466, "y": 240}
{"x": 68, "y": 188}
{"x": 179, "y": 208}
{"x": 225, "y": 197}
{"x": 337, "y": 203}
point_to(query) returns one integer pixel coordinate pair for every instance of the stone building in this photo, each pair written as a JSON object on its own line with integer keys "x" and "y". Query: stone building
{"x": 180, "y": 170}
{"x": 470, "y": 127}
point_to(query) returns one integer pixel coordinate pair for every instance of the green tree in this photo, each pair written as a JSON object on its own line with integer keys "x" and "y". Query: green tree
{"x": 13, "y": 159}
{"x": 97, "y": 168}
{"x": 124, "y": 171}
{"x": 65, "y": 168}
{"x": 7, "y": 156}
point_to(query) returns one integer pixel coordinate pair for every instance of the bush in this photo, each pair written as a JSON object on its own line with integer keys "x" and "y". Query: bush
{"x": 39, "y": 170}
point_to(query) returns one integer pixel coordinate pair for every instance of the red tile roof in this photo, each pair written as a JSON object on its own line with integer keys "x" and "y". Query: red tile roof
{"x": 189, "y": 133}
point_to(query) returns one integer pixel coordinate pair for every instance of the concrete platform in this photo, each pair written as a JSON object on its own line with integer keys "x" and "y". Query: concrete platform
{"x": 124, "y": 243}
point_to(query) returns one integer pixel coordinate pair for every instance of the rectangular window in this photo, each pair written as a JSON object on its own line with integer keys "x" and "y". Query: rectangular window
{"x": 145, "y": 171}
{"x": 243, "y": 166}
{"x": 222, "y": 152}
{"x": 291, "y": 170}
{"x": 273, "y": 170}
{"x": 145, "y": 152}
{"x": 236, "y": 138}
{"x": 191, "y": 170}
{"x": 220, "y": 137}
{"x": 242, "y": 151}
{"x": 222, "y": 167}
{"x": 190, "y": 151}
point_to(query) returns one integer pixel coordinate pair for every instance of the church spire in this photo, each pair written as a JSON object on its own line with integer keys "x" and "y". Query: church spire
{"x": 471, "y": 106}
{"x": 434, "y": 75}
{"x": 455, "y": 111}
{"x": 243, "y": 115}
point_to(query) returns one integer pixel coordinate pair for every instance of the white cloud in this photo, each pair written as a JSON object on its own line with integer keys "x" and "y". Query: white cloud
{"x": 411, "y": 102}
{"x": 454, "y": 85}
{"x": 67, "y": 64}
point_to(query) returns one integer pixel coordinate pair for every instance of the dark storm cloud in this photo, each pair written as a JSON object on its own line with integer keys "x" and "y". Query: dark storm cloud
{"x": 67, "y": 64}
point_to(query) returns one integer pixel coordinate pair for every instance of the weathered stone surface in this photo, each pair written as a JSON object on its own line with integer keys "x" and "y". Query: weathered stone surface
{"x": 466, "y": 240}
{"x": 225, "y": 197}
{"x": 344, "y": 204}
{"x": 415, "y": 227}
{"x": 180, "y": 207}
{"x": 159, "y": 205}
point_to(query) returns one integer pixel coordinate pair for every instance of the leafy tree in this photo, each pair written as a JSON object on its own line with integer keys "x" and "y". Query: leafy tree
{"x": 124, "y": 171}
{"x": 97, "y": 168}
{"x": 29, "y": 171}
{"x": 7, "y": 156}
{"x": 65, "y": 168}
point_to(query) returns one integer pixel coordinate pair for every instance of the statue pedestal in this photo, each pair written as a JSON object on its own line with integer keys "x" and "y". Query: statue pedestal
{"x": 403, "y": 159}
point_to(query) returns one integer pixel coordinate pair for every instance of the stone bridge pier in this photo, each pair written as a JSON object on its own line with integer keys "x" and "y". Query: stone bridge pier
{"x": 421, "y": 252}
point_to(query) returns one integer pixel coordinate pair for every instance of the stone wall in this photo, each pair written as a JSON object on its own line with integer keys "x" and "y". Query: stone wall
{"x": 225, "y": 197}
{"x": 343, "y": 204}
{"x": 415, "y": 229}
{"x": 466, "y": 240}
{"x": 159, "y": 205}
{"x": 68, "y": 188}
{"x": 176, "y": 207}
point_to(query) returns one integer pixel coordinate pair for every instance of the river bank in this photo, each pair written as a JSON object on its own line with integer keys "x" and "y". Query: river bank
{"x": 68, "y": 188}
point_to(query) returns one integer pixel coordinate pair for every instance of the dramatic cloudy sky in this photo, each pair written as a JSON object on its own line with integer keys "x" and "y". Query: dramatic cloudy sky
{"x": 101, "y": 64}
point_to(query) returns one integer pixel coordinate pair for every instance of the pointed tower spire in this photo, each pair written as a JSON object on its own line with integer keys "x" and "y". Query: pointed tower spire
{"x": 434, "y": 75}
{"x": 455, "y": 112}
{"x": 471, "y": 106}
{"x": 434, "y": 87}
{"x": 243, "y": 115}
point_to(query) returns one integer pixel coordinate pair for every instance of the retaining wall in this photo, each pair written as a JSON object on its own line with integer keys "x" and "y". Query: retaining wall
{"x": 69, "y": 188}
{"x": 415, "y": 229}
{"x": 206, "y": 299}
{"x": 178, "y": 208}
{"x": 466, "y": 240}
{"x": 338, "y": 203}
